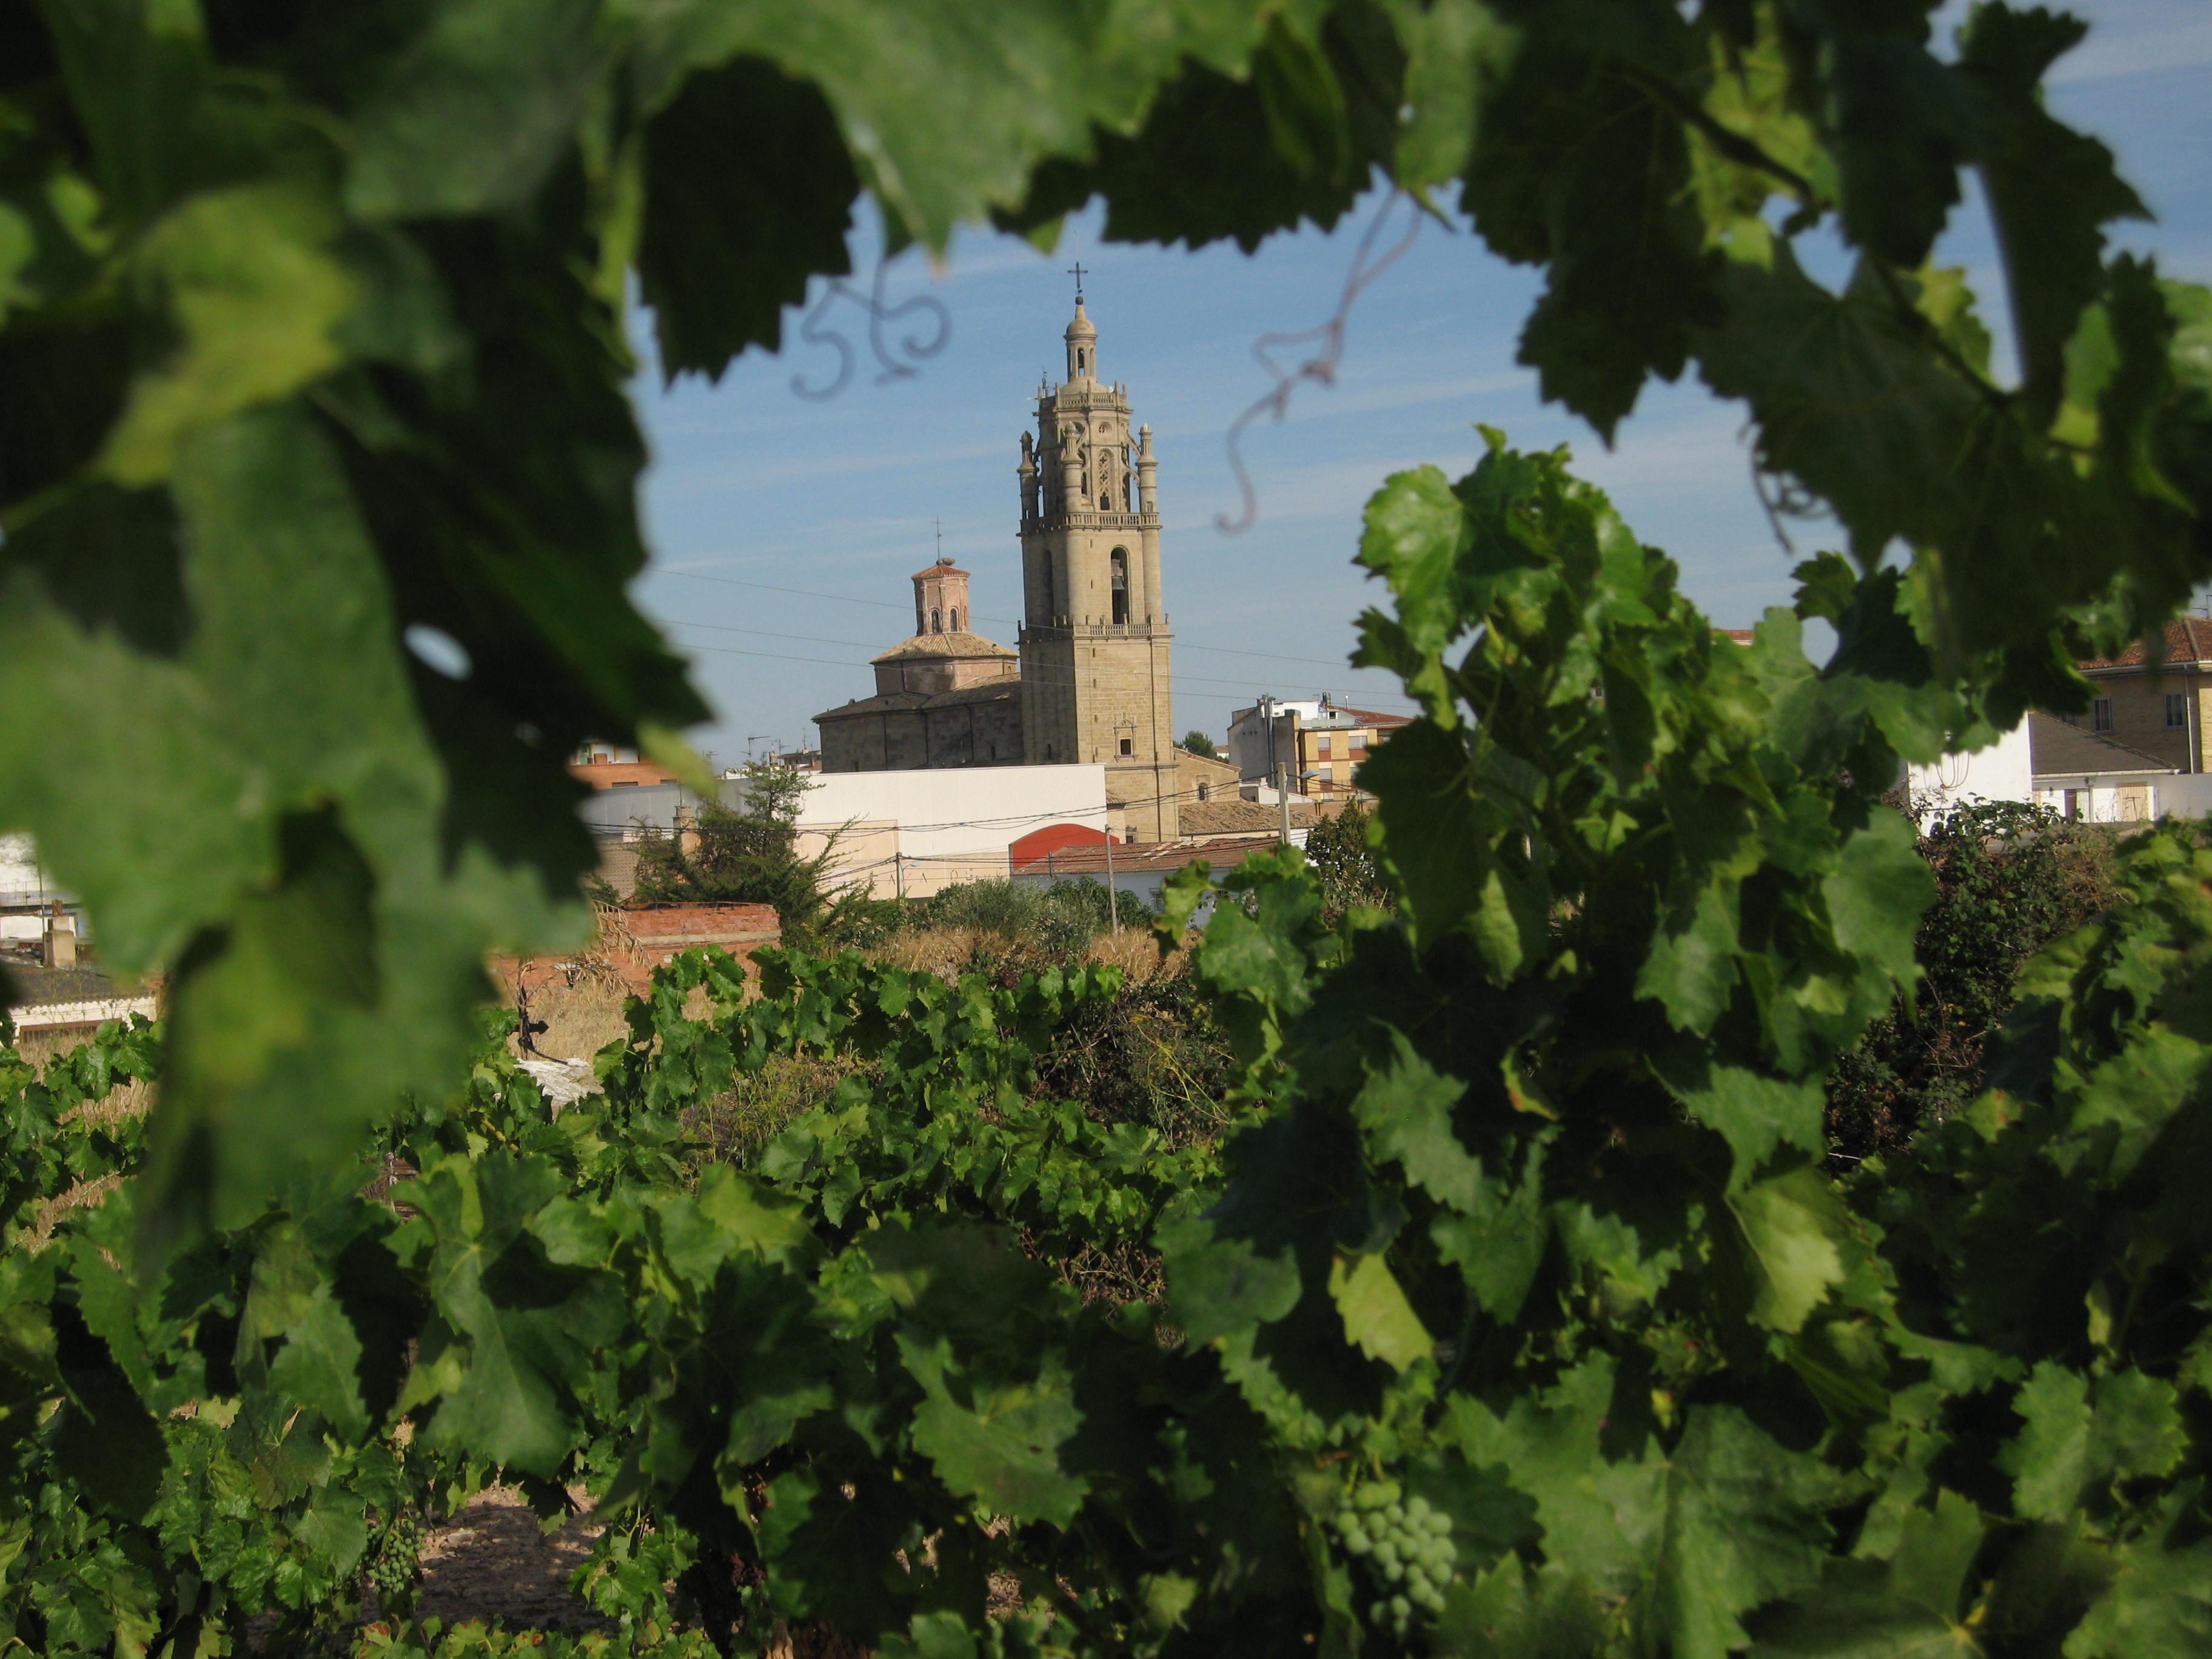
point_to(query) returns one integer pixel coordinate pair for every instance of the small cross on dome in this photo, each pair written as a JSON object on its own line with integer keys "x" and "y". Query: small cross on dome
{"x": 1076, "y": 272}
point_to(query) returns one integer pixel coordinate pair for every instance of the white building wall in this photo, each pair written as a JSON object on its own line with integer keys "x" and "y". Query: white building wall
{"x": 2000, "y": 772}
{"x": 20, "y": 878}
{"x": 951, "y": 824}
{"x": 2188, "y": 795}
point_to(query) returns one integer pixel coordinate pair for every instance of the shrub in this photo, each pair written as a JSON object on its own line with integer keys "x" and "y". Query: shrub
{"x": 2010, "y": 880}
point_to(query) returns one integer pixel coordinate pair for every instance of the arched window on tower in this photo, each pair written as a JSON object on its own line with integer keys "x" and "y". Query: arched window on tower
{"x": 1121, "y": 577}
{"x": 936, "y": 622}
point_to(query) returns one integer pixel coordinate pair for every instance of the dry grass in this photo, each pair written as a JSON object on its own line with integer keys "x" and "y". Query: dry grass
{"x": 580, "y": 1019}
{"x": 737, "y": 1123}
{"x": 582, "y": 1008}
{"x": 951, "y": 952}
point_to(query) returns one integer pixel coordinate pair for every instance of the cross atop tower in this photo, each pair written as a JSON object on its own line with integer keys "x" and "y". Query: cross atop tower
{"x": 1076, "y": 272}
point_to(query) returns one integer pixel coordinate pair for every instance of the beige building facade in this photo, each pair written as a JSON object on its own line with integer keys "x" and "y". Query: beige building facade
{"x": 1318, "y": 744}
{"x": 2155, "y": 701}
{"x": 1091, "y": 682}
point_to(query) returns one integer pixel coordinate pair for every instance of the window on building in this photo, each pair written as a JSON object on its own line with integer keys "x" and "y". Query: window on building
{"x": 2100, "y": 715}
{"x": 1118, "y": 570}
{"x": 1321, "y": 746}
{"x": 1356, "y": 742}
{"x": 1205, "y": 791}
{"x": 936, "y": 622}
{"x": 1128, "y": 745}
{"x": 2176, "y": 710}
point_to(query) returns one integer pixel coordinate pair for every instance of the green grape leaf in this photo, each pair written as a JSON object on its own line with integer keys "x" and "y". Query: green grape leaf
{"x": 744, "y": 161}
{"x": 258, "y": 297}
{"x": 1453, "y": 47}
{"x": 1604, "y": 201}
{"x": 1758, "y": 1117}
{"x": 319, "y": 1364}
{"x": 1219, "y": 1284}
{"x": 513, "y": 1328}
{"x": 1906, "y": 1608}
{"x": 2159, "y": 1605}
{"x": 475, "y": 110}
{"x": 1899, "y": 117}
{"x": 1035, "y": 81}
{"x": 1690, "y": 970}
{"x": 1429, "y": 832}
{"x": 1876, "y": 896}
{"x": 2050, "y": 189}
{"x": 1377, "y": 1318}
{"x": 2079, "y": 1438}
{"x": 1810, "y": 363}
{"x": 1791, "y": 1226}
{"x": 1745, "y": 1524}
{"x": 998, "y": 1441}
{"x": 1406, "y": 1106}
{"x": 1414, "y": 536}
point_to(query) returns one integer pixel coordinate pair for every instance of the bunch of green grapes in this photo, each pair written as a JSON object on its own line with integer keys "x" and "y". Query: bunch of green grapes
{"x": 1407, "y": 1546}
{"x": 396, "y": 1561}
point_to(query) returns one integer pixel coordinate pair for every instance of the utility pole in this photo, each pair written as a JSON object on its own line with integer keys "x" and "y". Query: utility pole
{"x": 898, "y": 872}
{"x": 1283, "y": 798}
{"x": 1113, "y": 910}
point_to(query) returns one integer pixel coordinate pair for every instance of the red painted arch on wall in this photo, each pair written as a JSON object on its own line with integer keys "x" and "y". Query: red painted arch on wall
{"x": 1033, "y": 847}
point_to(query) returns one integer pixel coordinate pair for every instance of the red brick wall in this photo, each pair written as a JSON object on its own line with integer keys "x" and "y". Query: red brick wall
{"x": 636, "y": 942}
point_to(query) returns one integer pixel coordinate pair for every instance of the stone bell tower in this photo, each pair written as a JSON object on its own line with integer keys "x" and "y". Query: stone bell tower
{"x": 1094, "y": 638}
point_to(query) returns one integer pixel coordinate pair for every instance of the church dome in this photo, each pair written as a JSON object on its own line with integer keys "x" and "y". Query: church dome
{"x": 1081, "y": 328}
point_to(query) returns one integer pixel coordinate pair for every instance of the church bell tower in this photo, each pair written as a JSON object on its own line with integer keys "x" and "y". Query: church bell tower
{"x": 1094, "y": 638}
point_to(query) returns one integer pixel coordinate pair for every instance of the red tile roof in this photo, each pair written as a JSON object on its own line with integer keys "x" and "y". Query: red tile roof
{"x": 2188, "y": 639}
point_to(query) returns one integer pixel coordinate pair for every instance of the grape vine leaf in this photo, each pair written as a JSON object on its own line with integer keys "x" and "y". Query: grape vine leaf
{"x": 2079, "y": 1438}
{"x": 1906, "y": 1608}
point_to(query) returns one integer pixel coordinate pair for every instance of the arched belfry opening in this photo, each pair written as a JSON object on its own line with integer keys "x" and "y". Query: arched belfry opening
{"x": 936, "y": 622}
{"x": 1119, "y": 573}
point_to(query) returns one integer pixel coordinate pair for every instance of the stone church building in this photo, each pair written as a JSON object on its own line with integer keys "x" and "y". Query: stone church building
{"x": 1089, "y": 681}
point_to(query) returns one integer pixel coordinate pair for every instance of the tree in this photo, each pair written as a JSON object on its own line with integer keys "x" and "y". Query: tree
{"x": 2010, "y": 880}
{"x": 1198, "y": 743}
{"x": 745, "y": 853}
{"x": 1342, "y": 855}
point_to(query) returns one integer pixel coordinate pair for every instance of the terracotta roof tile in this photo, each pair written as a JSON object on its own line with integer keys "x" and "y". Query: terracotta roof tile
{"x": 960, "y": 645}
{"x": 1215, "y": 817}
{"x": 2188, "y": 639}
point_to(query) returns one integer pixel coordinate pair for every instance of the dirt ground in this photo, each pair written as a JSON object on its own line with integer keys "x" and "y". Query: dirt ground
{"x": 493, "y": 1561}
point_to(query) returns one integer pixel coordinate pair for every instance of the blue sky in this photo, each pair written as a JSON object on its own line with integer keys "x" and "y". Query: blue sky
{"x": 755, "y": 489}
